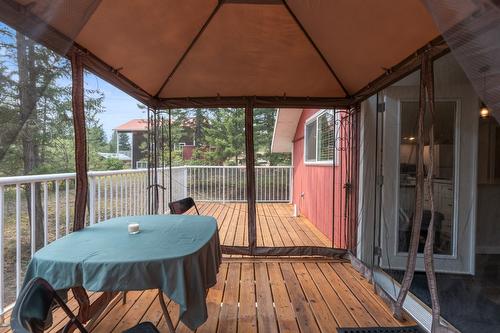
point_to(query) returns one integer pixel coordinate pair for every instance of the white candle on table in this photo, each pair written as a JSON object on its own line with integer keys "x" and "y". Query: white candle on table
{"x": 133, "y": 228}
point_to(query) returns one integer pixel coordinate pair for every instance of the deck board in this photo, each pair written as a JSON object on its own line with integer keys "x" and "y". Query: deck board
{"x": 284, "y": 309}
{"x": 265, "y": 311}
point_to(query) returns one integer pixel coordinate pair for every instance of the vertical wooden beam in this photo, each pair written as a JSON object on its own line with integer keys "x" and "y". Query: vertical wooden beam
{"x": 250, "y": 168}
{"x": 80, "y": 141}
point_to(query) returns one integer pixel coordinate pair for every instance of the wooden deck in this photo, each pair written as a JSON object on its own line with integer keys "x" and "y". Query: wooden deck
{"x": 257, "y": 295}
{"x": 262, "y": 294}
{"x": 275, "y": 225}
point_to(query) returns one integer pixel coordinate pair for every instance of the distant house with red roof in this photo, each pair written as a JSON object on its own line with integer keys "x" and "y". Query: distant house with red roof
{"x": 134, "y": 125}
{"x": 138, "y": 129}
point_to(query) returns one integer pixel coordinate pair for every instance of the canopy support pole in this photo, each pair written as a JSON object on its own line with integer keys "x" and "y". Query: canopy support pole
{"x": 80, "y": 141}
{"x": 250, "y": 176}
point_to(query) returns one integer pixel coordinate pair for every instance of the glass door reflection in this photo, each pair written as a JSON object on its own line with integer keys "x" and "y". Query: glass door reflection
{"x": 443, "y": 176}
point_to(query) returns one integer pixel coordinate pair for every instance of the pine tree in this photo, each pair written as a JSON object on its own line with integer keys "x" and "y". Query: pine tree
{"x": 36, "y": 131}
{"x": 226, "y": 136}
{"x": 123, "y": 142}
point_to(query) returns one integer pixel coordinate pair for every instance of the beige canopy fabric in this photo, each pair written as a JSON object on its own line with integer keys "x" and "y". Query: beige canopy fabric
{"x": 209, "y": 48}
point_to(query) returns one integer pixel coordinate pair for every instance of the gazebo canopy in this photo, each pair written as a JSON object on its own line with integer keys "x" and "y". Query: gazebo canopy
{"x": 166, "y": 51}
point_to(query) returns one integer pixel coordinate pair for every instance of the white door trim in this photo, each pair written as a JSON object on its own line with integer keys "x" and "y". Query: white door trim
{"x": 461, "y": 260}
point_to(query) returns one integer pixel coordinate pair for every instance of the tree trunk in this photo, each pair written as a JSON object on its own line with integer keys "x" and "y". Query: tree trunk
{"x": 29, "y": 136}
{"x": 25, "y": 52}
{"x": 198, "y": 130}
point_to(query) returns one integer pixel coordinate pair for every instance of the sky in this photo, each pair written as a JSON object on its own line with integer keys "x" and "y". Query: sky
{"x": 119, "y": 107}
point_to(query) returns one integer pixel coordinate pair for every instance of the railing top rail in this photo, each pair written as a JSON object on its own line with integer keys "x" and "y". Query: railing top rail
{"x": 35, "y": 178}
{"x": 274, "y": 167}
{"x": 114, "y": 172}
{"x": 14, "y": 180}
{"x": 238, "y": 166}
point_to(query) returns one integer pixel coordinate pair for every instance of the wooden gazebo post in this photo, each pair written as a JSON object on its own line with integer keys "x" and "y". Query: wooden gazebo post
{"x": 80, "y": 141}
{"x": 87, "y": 312}
{"x": 250, "y": 176}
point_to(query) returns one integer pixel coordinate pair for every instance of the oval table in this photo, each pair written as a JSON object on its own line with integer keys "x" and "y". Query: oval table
{"x": 177, "y": 254}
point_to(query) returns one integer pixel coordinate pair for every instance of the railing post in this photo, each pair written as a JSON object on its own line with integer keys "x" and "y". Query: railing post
{"x": 18, "y": 239}
{"x": 185, "y": 181}
{"x": 121, "y": 195}
{"x": 56, "y": 194}
{"x": 92, "y": 199}
{"x": 134, "y": 195}
{"x": 1, "y": 254}
{"x": 33, "y": 218}
{"x": 67, "y": 205}
{"x": 126, "y": 194}
{"x": 98, "y": 200}
{"x": 223, "y": 184}
{"x": 290, "y": 184}
{"x": 111, "y": 212}
{"x": 45, "y": 214}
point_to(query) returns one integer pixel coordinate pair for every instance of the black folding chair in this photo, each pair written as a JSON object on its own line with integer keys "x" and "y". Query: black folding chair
{"x": 182, "y": 206}
{"x": 33, "y": 311}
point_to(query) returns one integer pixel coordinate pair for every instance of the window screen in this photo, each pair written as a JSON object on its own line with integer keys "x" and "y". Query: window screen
{"x": 311, "y": 141}
{"x": 326, "y": 136}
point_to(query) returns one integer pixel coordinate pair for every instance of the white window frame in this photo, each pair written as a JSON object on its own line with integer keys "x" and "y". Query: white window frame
{"x": 309, "y": 120}
{"x": 179, "y": 146}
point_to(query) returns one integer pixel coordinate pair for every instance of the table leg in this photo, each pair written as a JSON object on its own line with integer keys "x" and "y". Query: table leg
{"x": 83, "y": 300}
{"x": 165, "y": 312}
{"x": 88, "y": 313}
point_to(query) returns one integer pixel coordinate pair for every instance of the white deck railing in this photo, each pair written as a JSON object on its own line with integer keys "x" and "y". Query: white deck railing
{"x": 228, "y": 183}
{"x": 111, "y": 194}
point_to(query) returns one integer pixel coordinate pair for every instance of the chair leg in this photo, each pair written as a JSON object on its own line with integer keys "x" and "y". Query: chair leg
{"x": 124, "y": 298}
{"x": 164, "y": 308}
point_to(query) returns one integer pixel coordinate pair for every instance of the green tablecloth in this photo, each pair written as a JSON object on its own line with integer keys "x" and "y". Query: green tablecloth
{"x": 177, "y": 253}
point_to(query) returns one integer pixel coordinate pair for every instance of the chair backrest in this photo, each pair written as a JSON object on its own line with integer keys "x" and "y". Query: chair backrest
{"x": 182, "y": 206}
{"x": 33, "y": 310}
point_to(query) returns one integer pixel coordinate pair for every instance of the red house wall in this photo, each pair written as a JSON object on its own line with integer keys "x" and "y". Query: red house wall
{"x": 315, "y": 182}
{"x": 187, "y": 152}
